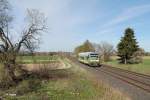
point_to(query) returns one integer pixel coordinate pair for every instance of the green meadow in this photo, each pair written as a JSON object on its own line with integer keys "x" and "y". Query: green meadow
{"x": 37, "y": 59}
{"x": 143, "y": 67}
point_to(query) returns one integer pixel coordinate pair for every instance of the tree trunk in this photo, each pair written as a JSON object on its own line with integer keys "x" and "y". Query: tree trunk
{"x": 10, "y": 71}
{"x": 125, "y": 60}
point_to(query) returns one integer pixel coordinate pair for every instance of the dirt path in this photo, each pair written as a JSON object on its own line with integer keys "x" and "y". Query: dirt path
{"x": 50, "y": 66}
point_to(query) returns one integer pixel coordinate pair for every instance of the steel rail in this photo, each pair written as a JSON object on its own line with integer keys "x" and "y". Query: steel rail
{"x": 130, "y": 72}
{"x": 129, "y": 81}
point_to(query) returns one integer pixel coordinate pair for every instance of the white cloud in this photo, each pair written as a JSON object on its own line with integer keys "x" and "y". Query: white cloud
{"x": 125, "y": 15}
{"x": 128, "y": 14}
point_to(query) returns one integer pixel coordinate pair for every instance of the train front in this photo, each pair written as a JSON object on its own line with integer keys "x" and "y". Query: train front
{"x": 94, "y": 59}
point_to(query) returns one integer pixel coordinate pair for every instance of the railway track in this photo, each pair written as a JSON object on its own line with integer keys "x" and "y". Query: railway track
{"x": 138, "y": 80}
{"x": 129, "y": 72}
{"x": 127, "y": 78}
{"x": 137, "y": 77}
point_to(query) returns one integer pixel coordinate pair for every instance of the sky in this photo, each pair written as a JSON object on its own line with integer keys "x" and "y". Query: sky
{"x": 71, "y": 22}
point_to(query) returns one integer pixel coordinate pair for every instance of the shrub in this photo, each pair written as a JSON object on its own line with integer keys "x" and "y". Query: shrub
{"x": 43, "y": 71}
{"x": 23, "y": 88}
{"x": 137, "y": 57}
{"x": 5, "y": 80}
{"x": 27, "y": 86}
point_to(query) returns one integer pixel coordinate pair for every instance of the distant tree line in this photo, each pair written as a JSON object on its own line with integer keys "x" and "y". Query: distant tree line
{"x": 104, "y": 49}
{"x": 128, "y": 49}
{"x": 147, "y": 53}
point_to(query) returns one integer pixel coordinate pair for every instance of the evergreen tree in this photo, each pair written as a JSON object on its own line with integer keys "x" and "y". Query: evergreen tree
{"x": 127, "y": 47}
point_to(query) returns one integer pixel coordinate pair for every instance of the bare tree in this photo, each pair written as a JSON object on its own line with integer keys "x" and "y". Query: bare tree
{"x": 5, "y": 15}
{"x": 105, "y": 50}
{"x": 29, "y": 39}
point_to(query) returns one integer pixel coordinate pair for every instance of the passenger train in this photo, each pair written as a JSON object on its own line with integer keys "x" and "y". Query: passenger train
{"x": 89, "y": 58}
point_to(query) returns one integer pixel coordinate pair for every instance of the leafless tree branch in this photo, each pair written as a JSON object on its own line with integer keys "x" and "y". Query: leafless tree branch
{"x": 29, "y": 37}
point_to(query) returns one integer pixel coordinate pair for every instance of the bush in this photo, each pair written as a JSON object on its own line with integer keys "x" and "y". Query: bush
{"x": 137, "y": 57}
{"x": 135, "y": 60}
{"x": 27, "y": 86}
{"x": 5, "y": 80}
{"x": 23, "y": 88}
{"x": 43, "y": 71}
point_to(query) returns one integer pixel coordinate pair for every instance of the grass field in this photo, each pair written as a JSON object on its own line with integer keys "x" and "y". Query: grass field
{"x": 140, "y": 68}
{"x": 37, "y": 59}
{"x": 74, "y": 83}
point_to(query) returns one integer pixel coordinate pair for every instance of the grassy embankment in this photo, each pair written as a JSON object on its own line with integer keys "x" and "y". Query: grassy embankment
{"x": 143, "y": 67}
{"x": 74, "y": 83}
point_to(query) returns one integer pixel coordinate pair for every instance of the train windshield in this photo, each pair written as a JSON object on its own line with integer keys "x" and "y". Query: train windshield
{"x": 94, "y": 57}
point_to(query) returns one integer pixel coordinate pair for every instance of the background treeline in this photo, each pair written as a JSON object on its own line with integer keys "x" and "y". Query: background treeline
{"x": 104, "y": 49}
{"x": 25, "y": 53}
{"x": 128, "y": 50}
{"x": 147, "y": 53}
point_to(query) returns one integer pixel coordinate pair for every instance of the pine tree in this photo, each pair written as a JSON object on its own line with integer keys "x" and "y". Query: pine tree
{"x": 127, "y": 46}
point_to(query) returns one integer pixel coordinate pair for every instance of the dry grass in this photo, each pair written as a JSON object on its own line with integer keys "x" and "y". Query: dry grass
{"x": 74, "y": 83}
{"x": 50, "y": 66}
{"x": 37, "y": 67}
{"x": 108, "y": 93}
{"x": 102, "y": 90}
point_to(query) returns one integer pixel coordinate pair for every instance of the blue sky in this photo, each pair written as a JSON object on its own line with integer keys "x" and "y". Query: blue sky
{"x": 71, "y": 22}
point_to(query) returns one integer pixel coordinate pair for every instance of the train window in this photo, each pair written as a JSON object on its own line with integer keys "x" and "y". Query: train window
{"x": 94, "y": 57}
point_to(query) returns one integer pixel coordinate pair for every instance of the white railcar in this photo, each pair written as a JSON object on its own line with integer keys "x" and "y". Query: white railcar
{"x": 90, "y": 58}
